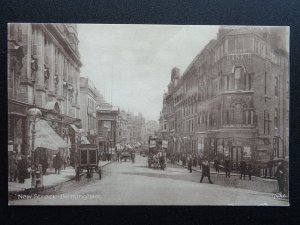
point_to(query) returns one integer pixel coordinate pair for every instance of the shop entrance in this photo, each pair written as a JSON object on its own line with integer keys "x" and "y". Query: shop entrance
{"x": 236, "y": 156}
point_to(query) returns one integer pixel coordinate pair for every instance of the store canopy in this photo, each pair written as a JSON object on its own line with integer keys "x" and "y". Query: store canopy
{"x": 46, "y": 137}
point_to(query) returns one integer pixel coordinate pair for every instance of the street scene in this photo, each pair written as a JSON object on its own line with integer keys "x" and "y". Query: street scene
{"x": 107, "y": 114}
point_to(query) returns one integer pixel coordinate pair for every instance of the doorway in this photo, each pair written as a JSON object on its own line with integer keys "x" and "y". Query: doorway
{"x": 236, "y": 156}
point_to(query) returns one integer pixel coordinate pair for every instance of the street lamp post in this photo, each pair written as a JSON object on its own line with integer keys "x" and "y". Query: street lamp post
{"x": 34, "y": 113}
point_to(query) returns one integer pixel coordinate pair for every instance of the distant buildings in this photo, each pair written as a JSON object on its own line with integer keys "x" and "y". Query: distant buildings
{"x": 233, "y": 99}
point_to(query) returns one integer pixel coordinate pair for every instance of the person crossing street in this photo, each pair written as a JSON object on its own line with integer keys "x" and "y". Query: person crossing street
{"x": 205, "y": 171}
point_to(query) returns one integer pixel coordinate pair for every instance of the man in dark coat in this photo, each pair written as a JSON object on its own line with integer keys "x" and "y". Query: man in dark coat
{"x": 22, "y": 169}
{"x": 205, "y": 171}
{"x": 243, "y": 169}
{"x": 57, "y": 163}
{"x": 12, "y": 167}
{"x": 280, "y": 173}
{"x": 227, "y": 167}
{"x": 216, "y": 165}
{"x": 249, "y": 168}
{"x": 190, "y": 163}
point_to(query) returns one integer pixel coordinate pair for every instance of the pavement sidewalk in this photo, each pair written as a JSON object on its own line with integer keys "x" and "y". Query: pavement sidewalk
{"x": 256, "y": 183}
{"x": 50, "y": 180}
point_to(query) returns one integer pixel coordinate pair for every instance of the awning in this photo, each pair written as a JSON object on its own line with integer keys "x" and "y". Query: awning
{"x": 46, "y": 137}
{"x": 74, "y": 128}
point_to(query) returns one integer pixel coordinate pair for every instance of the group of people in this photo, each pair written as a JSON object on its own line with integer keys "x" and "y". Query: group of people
{"x": 17, "y": 169}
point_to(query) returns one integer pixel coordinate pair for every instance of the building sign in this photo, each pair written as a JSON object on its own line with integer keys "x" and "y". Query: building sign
{"x": 165, "y": 144}
{"x": 152, "y": 143}
{"x": 247, "y": 152}
{"x": 226, "y": 151}
{"x": 220, "y": 149}
{"x": 10, "y": 148}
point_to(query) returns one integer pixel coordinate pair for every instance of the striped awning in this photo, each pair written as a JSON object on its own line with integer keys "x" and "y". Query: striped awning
{"x": 46, "y": 137}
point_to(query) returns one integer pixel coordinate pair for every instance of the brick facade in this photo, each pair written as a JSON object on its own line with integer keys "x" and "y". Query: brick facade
{"x": 232, "y": 100}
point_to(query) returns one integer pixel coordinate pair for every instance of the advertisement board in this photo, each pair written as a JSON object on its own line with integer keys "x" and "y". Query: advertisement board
{"x": 152, "y": 143}
{"x": 165, "y": 144}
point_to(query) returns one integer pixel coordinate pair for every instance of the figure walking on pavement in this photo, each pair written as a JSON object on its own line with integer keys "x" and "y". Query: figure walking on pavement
{"x": 22, "y": 169}
{"x": 216, "y": 165}
{"x": 243, "y": 166}
{"x": 190, "y": 163}
{"x": 280, "y": 173}
{"x": 227, "y": 167}
{"x": 205, "y": 171}
{"x": 249, "y": 168}
{"x": 57, "y": 163}
{"x": 12, "y": 164}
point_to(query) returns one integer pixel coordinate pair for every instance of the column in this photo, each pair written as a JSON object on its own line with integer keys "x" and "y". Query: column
{"x": 39, "y": 84}
{"x": 25, "y": 89}
{"x": 51, "y": 54}
{"x": 26, "y": 136}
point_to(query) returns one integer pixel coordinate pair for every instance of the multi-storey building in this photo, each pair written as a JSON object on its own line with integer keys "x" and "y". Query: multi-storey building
{"x": 43, "y": 71}
{"x": 88, "y": 102}
{"x": 232, "y": 100}
{"x": 107, "y": 118}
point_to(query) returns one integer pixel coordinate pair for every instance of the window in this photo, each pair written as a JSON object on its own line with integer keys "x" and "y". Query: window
{"x": 266, "y": 122}
{"x": 226, "y": 47}
{"x": 276, "y": 118}
{"x": 276, "y": 86}
{"x": 239, "y": 45}
{"x": 231, "y": 45}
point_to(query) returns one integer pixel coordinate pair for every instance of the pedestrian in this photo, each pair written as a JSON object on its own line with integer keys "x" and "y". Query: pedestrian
{"x": 216, "y": 165}
{"x": 243, "y": 169}
{"x": 205, "y": 171}
{"x": 249, "y": 168}
{"x": 65, "y": 163}
{"x": 227, "y": 167}
{"x": 44, "y": 162}
{"x": 57, "y": 163}
{"x": 22, "y": 169}
{"x": 190, "y": 163}
{"x": 162, "y": 161}
{"x": 280, "y": 173}
{"x": 12, "y": 164}
{"x": 200, "y": 162}
{"x": 183, "y": 160}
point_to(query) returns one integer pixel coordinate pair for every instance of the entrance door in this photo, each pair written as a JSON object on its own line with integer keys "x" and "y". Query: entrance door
{"x": 236, "y": 156}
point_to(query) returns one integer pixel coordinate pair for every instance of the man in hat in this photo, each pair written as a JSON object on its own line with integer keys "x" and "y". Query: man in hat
{"x": 22, "y": 169}
{"x": 12, "y": 167}
{"x": 205, "y": 171}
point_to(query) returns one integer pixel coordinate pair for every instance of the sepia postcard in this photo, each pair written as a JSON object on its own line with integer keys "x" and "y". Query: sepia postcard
{"x": 109, "y": 114}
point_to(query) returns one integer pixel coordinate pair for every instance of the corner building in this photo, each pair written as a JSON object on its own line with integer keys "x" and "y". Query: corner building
{"x": 43, "y": 72}
{"x": 233, "y": 99}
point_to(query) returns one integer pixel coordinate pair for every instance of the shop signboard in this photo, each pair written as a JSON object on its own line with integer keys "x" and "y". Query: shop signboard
{"x": 165, "y": 144}
{"x": 247, "y": 152}
{"x": 152, "y": 143}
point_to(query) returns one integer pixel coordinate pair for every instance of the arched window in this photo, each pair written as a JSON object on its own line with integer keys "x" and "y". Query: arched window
{"x": 276, "y": 118}
{"x": 239, "y": 78}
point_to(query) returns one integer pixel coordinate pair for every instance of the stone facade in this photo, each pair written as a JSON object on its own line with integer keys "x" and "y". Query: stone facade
{"x": 43, "y": 70}
{"x": 88, "y": 102}
{"x": 232, "y": 100}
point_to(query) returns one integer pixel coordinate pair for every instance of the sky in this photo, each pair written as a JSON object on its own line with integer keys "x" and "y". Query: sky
{"x": 131, "y": 64}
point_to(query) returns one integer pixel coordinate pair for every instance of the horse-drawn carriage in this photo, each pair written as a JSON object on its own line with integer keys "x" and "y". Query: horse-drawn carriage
{"x": 88, "y": 159}
{"x": 156, "y": 158}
